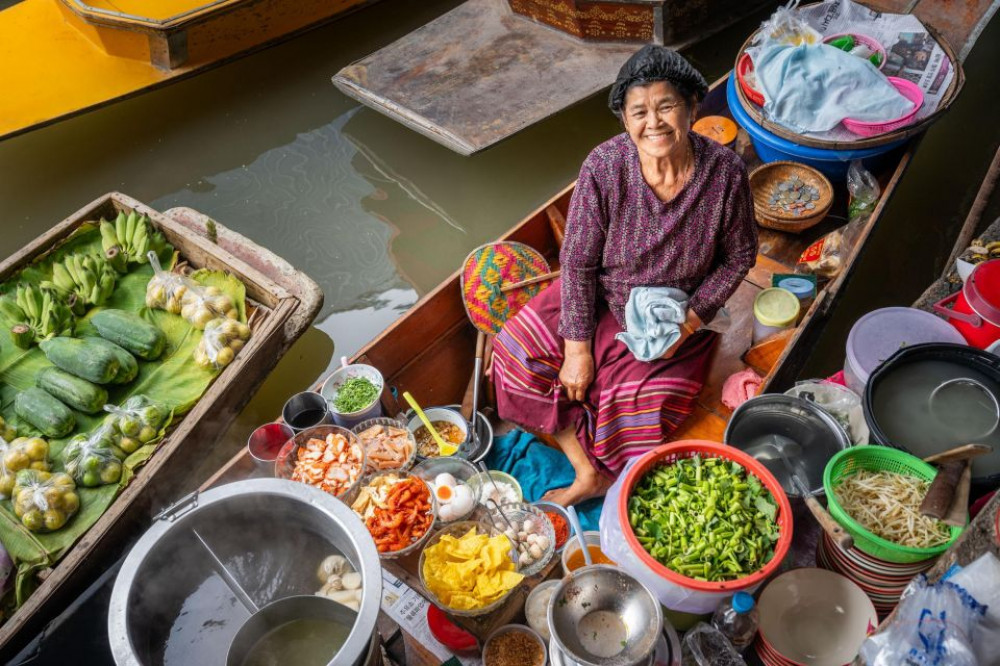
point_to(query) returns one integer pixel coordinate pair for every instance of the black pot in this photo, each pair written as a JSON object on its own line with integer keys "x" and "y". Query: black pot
{"x": 884, "y": 388}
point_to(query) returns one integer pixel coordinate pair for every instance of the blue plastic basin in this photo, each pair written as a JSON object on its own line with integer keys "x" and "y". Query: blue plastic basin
{"x": 772, "y": 148}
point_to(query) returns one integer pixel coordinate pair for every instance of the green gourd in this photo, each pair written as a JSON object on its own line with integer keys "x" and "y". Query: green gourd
{"x": 128, "y": 368}
{"x": 47, "y": 414}
{"x": 131, "y": 332}
{"x": 82, "y": 358}
{"x": 77, "y": 393}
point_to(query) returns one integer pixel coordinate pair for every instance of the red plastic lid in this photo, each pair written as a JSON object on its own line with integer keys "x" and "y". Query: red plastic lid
{"x": 448, "y": 633}
{"x": 982, "y": 290}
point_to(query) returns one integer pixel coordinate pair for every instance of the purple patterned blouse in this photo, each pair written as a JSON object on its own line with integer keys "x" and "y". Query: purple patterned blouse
{"x": 620, "y": 235}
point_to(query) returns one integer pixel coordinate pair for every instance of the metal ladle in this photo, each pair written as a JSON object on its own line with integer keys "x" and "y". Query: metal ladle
{"x": 822, "y": 516}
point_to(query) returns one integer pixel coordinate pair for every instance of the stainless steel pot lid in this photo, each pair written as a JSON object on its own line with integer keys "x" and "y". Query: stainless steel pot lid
{"x": 805, "y": 432}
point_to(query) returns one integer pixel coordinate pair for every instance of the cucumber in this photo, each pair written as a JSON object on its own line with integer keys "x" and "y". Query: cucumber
{"x": 131, "y": 332}
{"x": 77, "y": 393}
{"x": 82, "y": 358}
{"x": 128, "y": 368}
{"x": 47, "y": 414}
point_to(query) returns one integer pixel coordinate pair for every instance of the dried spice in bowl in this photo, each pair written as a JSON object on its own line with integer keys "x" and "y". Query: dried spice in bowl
{"x": 513, "y": 648}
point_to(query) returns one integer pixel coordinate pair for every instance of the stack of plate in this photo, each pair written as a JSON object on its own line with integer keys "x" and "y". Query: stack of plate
{"x": 881, "y": 580}
{"x": 812, "y": 616}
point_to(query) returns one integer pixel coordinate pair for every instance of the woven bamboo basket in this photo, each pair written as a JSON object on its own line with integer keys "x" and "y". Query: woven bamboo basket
{"x": 763, "y": 181}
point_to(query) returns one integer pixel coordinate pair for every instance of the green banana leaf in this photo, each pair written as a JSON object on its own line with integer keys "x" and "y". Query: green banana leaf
{"x": 174, "y": 381}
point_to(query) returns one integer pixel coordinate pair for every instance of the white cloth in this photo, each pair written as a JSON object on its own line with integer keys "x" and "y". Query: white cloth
{"x": 653, "y": 316}
{"x": 812, "y": 87}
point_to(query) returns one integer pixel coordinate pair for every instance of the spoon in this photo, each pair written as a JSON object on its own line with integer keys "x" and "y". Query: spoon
{"x": 574, "y": 520}
{"x": 444, "y": 448}
{"x": 485, "y": 470}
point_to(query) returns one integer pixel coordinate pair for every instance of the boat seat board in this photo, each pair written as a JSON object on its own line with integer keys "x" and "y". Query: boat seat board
{"x": 480, "y": 73}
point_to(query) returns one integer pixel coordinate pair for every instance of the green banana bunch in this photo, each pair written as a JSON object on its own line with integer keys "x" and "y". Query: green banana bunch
{"x": 128, "y": 239}
{"x": 38, "y": 313}
{"x": 86, "y": 280}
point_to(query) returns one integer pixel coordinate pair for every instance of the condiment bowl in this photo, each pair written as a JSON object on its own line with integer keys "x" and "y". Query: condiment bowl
{"x": 355, "y": 494}
{"x": 533, "y": 599}
{"x": 462, "y": 470}
{"x": 552, "y": 507}
{"x": 458, "y": 530}
{"x": 284, "y": 466}
{"x": 439, "y": 414}
{"x": 517, "y": 514}
{"x": 814, "y": 616}
{"x": 391, "y": 423}
{"x": 601, "y": 616}
{"x": 482, "y": 480}
{"x": 573, "y": 546}
{"x": 515, "y": 628}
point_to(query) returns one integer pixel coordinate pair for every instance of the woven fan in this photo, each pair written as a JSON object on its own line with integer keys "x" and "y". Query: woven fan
{"x": 489, "y": 268}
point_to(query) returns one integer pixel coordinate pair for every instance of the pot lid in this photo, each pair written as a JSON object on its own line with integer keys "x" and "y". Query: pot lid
{"x": 881, "y": 333}
{"x": 982, "y": 290}
{"x": 776, "y": 307}
{"x": 801, "y": 287}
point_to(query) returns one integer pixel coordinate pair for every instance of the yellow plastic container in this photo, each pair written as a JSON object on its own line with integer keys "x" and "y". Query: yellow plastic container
{"x": 774, "y": 310}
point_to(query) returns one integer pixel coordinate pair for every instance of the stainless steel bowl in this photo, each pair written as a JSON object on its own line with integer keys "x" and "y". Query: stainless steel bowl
{"x": 807, "y": 434}
{"x": 270, "y": 535}
{"x": 283, "y": 611}
{"x": 609, "y": 591}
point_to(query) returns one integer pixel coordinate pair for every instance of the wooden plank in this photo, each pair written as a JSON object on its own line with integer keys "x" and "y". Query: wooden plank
{"x": 166, "y": 472}
{"x": 702, "y": 424}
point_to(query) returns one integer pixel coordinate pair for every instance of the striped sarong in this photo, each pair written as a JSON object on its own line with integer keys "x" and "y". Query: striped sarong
{"x": 631, "y": 407}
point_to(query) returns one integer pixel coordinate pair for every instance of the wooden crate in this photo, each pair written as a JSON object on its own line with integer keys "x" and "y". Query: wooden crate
{"x": 281, "y": 303}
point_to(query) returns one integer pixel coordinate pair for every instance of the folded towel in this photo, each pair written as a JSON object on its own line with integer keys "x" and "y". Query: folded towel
{"x": 539, "y": 469}
{"x": 740, "y": 387}
{"x": 812, "y": 87}
{"x": 653, "y": 316}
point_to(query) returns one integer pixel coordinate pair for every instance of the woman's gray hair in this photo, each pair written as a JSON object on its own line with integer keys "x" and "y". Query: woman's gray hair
{"x": 654, "y": 63}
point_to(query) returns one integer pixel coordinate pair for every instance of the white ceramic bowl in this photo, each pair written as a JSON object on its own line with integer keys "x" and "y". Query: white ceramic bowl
{"x": 540, "y": 591}
{"x": 814, "y": 616}
{"x": 439, "y": 414}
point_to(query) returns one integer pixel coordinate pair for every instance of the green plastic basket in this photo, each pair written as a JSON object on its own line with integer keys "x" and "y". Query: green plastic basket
{"x": 874, "y": 458}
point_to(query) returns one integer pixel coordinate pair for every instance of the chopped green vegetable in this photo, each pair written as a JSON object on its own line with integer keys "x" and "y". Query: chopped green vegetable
{"x": 354, "y": 395}
{"x": 705, "y": 518}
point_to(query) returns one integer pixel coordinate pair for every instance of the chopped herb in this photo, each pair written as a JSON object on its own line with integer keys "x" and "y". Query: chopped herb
{"x": 354, "y": 395}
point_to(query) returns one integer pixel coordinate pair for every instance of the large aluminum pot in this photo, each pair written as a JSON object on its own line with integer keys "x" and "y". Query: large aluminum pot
{"x": 169, "y": 603}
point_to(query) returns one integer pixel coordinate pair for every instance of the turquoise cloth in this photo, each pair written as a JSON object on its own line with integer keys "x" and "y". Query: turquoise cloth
{"x": 539, "y": 469}
{"x": 812, "y": 87}
{"x": 653, "y": 316}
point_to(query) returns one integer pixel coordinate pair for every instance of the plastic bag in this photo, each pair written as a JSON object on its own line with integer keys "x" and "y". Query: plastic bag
{"x": 203, "y": 304}
{"x": 842, "y": 403}
{"x": 137, "y": 422}
{"x": 704, "y": 645}
{"x": 44, "y": 502}
{"x": 94, "y": 460}
{"x": 166, "y": 290}
{"x": 222, "y": 339}
{"x": 20, "y": 454}
{"x": 825, "y": 258}
{"x": 671, "y": 595}
{"x": 785, "y": 28}
{"x": 983, "y": 576}
{"x": 933, "y": 626}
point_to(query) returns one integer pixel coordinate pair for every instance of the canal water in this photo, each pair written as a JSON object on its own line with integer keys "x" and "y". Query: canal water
{"x": 379, "y": 215}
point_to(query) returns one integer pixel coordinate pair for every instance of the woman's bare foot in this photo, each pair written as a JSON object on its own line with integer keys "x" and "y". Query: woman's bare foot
{"x": 583, "y": 488}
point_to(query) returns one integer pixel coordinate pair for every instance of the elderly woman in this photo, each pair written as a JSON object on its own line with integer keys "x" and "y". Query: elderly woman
{"x": 655, "y": 206}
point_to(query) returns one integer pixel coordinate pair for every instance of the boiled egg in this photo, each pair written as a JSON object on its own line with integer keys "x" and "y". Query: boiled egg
{"x": 445, "y": 479}
{"x": 462, "y": 501}
{"x": 443, "y": 493}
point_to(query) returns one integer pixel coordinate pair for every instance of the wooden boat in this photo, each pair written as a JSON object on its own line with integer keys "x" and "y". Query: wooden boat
{"x": 281, "y": 304}
{"x": 63, "y": 57}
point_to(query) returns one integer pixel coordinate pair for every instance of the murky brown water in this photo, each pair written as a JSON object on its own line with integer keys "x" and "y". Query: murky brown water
{"x": 378, "y": 215}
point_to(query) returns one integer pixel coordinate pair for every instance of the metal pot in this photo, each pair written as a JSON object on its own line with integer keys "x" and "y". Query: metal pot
{"x": 170, "y": 602}
{"x": 808, "y": 434}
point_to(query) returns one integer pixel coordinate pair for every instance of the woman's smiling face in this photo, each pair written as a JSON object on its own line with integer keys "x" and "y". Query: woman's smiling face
{"x": 657, "y": 118}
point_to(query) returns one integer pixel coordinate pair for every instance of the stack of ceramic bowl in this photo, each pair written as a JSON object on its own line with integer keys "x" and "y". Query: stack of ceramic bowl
{"x": 812, "y": 616}
{"x": 881, "y": 580}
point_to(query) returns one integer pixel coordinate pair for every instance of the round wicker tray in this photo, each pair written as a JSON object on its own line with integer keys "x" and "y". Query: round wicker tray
{"x": 765, "y": 178}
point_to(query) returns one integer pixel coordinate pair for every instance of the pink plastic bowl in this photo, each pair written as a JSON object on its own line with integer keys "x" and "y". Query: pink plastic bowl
{"x": 910, "y": 91}
{"x": 870, "y": 42}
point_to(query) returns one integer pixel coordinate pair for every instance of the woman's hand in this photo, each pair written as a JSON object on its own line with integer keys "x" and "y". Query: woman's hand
{"x": 688, "y": 328}
{"x": 577, "y": 371}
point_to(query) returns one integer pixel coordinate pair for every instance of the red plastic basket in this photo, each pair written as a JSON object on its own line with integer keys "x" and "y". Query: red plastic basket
{"x": 744, "y": 66}
{"x": 688, "y": 449}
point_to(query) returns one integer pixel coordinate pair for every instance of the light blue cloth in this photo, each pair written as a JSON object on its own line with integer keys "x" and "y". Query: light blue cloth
{"x": 539, "y": 469}
{"x": 812, "y": 87}
{"x": 653, "y": 316}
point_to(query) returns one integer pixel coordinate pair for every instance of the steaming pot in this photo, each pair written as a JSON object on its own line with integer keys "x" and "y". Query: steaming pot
{"x": 169, "y": 605}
